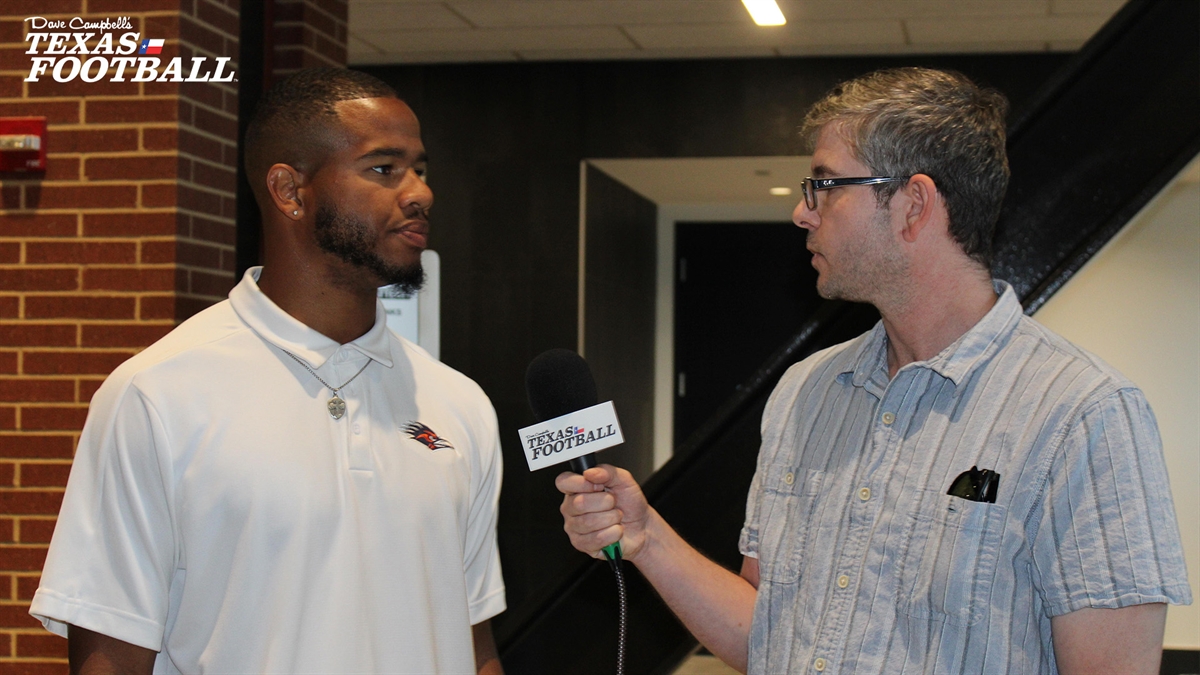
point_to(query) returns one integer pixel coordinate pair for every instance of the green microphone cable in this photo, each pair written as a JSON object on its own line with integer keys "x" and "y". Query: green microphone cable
{"x": 613, "y": 553}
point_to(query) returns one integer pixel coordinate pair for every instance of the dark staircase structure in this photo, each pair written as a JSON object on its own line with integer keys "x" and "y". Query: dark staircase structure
{"x": 1104, "y": 136}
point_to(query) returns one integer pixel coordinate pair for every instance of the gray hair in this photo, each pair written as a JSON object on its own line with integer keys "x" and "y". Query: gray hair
{"x": 906, "y": 121}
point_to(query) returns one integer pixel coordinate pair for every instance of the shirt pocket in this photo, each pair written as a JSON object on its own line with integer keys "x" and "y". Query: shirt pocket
{"x": 789, "y": 498}
{"x": 949, "y": 564}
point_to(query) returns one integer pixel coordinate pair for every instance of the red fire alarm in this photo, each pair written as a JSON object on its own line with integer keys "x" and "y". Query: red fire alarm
{"x": 22, "y": 144}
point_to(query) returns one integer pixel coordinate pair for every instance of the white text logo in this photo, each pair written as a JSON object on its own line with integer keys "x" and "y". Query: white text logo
{"x": 66, "y": 50}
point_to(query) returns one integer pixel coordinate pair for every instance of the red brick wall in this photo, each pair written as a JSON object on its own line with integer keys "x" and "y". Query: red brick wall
{"x": 130, "y": 230}
{"x": 309, "y": 33}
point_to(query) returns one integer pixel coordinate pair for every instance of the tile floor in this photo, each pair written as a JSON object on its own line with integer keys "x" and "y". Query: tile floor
{"x": 704, "y": 664}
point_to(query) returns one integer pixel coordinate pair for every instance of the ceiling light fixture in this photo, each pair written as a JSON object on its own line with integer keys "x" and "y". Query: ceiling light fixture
{"x": 780, "y": 191}
{"x": 764, "y": 12}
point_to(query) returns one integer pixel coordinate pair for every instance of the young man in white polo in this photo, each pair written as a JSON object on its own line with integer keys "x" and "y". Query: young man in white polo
{"x": 281, "y": 484}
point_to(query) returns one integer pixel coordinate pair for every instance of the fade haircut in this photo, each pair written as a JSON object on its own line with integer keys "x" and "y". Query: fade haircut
{"x": 294, "y": 121}
{"x": 906, "y": 121}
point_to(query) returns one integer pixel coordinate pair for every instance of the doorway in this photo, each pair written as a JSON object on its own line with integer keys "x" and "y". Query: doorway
{"x": 741, "y": 290}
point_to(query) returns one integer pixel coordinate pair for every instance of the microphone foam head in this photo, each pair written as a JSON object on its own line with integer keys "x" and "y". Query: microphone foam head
{"x": 558, "y": 382}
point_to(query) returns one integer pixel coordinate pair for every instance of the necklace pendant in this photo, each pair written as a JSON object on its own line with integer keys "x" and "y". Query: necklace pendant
{"x": 337, "y": 407}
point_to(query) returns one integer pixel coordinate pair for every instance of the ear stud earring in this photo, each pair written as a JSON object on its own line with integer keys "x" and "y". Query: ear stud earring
{"x": 295, "y": 213}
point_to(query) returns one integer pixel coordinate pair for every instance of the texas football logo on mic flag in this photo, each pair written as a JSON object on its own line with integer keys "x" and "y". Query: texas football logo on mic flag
{"x": 575, "y": 434}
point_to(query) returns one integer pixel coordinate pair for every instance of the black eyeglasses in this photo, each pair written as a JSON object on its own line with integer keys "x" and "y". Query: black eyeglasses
{"x": 810, "y": 185}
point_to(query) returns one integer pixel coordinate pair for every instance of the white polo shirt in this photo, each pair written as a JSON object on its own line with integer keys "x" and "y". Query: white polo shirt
{"x": 218, "y": 514}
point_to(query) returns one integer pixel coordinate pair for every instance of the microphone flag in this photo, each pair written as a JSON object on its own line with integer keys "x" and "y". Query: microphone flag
{"x": 575, "y": 434}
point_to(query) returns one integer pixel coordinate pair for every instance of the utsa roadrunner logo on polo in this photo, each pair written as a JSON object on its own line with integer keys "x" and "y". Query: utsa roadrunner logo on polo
{"x": 424, "y": 434}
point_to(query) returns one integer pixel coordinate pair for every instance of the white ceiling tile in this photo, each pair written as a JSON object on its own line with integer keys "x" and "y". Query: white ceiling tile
{"x": 916, "y": 49}
{"x": 356, "y": 47}
{"x": 1065, "y": 45}
{"x": 808, "y": 33}
{"x": 457, "y": 30}
{"x": 437, "y": 57}
{"x": 578, "y": 54}
{"x": 375, "y": 15}
{"x": 1105, "y": 7}
{"x": 1191, "y": 173}
{"x": 975, "y": 47}
{"x": 849, "y": 49}
{"x": 854, "y": 10}
{"x": 498, "y": 39}
{"x": 995, "y": 30}
{"x": 647, "y": 54}
{"x": 502, "y": 13}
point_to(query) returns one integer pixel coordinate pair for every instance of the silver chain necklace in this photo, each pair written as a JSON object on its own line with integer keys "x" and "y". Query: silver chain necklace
{"x": 336, "y": 406}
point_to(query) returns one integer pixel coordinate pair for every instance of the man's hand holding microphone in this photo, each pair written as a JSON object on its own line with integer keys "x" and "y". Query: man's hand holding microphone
{"x": 603, "y": 506}
{"x": 606, "y": 505}
{"x": 606, "y": 515}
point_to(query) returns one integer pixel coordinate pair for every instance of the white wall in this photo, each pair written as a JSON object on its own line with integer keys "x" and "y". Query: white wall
{"x": 1137, "y": 305}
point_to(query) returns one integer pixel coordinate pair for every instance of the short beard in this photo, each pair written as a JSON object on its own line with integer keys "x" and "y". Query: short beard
{"x": 871, "y": 272}
{"x": 354, "y": 242}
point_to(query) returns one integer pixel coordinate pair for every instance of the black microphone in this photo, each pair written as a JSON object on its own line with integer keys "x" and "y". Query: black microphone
{"x": 559, "y": 382}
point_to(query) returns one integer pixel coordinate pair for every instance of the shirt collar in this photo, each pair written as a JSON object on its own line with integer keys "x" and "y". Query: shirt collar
{"x": 870, "y": 357}
{"x": 954, "y": 362}
{"x": 283, "y": 330}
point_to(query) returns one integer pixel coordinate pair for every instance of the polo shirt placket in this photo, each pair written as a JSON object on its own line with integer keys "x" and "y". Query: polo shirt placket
{"x": 353, "y": 430}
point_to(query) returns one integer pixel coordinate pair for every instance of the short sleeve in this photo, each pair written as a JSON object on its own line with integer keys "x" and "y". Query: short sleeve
{"x": 113, "y": 553}
{"x": 481, "y": 556}
{"x": 1107, "y": 535}
{"x": 748, "y": 540}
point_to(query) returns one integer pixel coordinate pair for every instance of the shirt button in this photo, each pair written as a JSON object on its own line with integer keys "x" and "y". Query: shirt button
{"x": 357, "y": 429}
{"x": 843, "y": 581}
{"x": 819, "y": 664}
{"x": 888, "y": 418}
{"x": 864, "y": 494}
{"x": 789, "y": 478}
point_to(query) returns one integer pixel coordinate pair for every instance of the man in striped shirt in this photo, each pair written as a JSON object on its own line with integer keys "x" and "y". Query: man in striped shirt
{"x": 958, "y": 490}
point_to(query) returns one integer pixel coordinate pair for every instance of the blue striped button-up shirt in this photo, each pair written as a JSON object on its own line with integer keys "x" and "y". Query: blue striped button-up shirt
{"x": 867, "y": 565}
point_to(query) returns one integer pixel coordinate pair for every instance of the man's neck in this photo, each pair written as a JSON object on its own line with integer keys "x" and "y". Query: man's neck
{"x": 339, "y": 309}
{"x": 937, "y": 312}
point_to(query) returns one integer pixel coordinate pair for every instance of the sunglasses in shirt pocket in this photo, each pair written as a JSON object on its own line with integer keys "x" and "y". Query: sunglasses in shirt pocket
{"x": 787, "y": 502}
{"x": 949, "y": 565}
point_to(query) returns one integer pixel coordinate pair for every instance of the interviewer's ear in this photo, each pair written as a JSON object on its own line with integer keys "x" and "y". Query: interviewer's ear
{"x": 922, "y": 206}
{"x": 284, "y": 185}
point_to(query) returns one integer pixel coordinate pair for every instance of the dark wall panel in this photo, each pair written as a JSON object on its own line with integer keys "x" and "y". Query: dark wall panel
{"x": 620, "y": 269}
{"x": 505, "y": 142}
{"x": 748, "y": 107}
{"x": 504, "y": 167}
